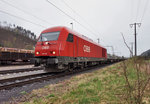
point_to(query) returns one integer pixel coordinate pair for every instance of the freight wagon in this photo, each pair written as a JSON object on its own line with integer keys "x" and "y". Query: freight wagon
{"x": 8, "y": 55}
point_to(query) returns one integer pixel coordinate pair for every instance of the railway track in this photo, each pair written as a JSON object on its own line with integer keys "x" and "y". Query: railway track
{"x": 23, "y": 80}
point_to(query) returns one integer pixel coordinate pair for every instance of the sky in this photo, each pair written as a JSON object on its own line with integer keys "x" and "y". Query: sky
{"x": 103, "y": 19}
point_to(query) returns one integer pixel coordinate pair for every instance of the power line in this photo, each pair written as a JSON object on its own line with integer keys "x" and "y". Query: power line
{"x": 22, "y": 19}
{"x": 138, "y": 8}
{"x": 145, "y": 8}
{"x": 70, "y": 16}
{"x": 78, "y": 15}
{"x": 132, "y": 5}
{"x": 25, "y": 12}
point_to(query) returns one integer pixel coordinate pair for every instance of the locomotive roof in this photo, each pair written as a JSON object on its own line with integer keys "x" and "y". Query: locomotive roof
{"x": 59, "y": 28}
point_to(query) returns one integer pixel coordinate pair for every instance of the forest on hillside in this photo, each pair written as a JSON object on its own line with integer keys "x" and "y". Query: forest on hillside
{"x": 13, "y": 36}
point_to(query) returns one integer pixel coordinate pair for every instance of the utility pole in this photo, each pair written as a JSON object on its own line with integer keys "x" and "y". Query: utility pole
{"x": 131, "y": 49}
{"x": 72, "y": 25}
{"x": 139, "y": 24}
{"x": 98, "y": 41}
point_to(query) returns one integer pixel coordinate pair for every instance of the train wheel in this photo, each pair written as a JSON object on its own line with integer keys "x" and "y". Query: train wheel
{"x": 82, "y": 66}
{"x": 85, "y": 65}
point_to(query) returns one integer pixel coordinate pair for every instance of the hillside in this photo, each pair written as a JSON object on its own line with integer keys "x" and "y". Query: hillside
{"x": 146, "y": 54}
{"x": 14, "y": 39}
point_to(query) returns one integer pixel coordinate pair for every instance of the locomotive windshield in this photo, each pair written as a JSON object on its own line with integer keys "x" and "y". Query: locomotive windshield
{"x": 49, "y": 36}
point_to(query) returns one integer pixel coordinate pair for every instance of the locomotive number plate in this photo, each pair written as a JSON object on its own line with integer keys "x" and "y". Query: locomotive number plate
{"x": 45, "y": 47}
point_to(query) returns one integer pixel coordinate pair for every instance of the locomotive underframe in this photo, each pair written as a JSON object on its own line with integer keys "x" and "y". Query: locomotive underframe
{"x": 61, "y": 63}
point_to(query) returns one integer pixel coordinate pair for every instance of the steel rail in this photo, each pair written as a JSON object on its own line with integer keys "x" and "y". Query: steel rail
{"x": 22, "y": 77}
{"x": 47, "y": 77}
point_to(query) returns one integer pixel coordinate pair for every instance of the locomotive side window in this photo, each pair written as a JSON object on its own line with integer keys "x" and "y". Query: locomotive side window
{"x": 50, "y": 36}
{"x": 70, "y": 37}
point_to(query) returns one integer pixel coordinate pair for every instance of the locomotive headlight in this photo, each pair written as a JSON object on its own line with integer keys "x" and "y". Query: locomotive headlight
{"x": 37, "y": 53}
{"x": 53, "y": 52}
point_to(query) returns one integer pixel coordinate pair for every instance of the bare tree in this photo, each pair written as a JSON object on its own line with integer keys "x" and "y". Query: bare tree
{"x": 127, "y": 45}
{"x": 135, "y": 91}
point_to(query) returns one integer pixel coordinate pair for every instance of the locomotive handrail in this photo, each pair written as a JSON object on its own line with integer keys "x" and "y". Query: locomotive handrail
{"x": 59, "y": 48}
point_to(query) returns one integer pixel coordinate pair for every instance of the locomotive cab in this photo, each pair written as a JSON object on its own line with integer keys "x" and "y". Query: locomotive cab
{"x": 47, "y": 44}
{"x": 49, "y": 48}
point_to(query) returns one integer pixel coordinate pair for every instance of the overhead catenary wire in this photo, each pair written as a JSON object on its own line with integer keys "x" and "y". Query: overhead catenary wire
{"x": 138, "y": 8}
{"x": 22, "y": 18}
{"x": 70, "y": 17}
{"x": 132, "y": 6}
{"x": 145, "y": 9}
{"x": 78, "y": 15}
{"x": 28, "y": 13}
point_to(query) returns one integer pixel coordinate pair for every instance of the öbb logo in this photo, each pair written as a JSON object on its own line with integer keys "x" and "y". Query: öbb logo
{"x": 45, "y": 47}
{"x": 86, "y": 48}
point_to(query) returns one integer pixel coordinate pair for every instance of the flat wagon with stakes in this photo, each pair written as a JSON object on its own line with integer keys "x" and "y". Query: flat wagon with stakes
{"x": 8, "y": 55}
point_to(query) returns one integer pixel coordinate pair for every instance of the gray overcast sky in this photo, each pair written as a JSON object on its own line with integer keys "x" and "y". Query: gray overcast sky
{"x": 105, "y": 19}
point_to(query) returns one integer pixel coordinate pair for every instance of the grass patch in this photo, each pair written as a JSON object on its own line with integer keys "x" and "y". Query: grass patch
{"x": 23, "y": 92}
{"x": 105, "y": 86}
{"x": 49, "y": 96}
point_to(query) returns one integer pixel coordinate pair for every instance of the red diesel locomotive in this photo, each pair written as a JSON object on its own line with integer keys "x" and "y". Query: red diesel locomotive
{"x": 60, "y": 48}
